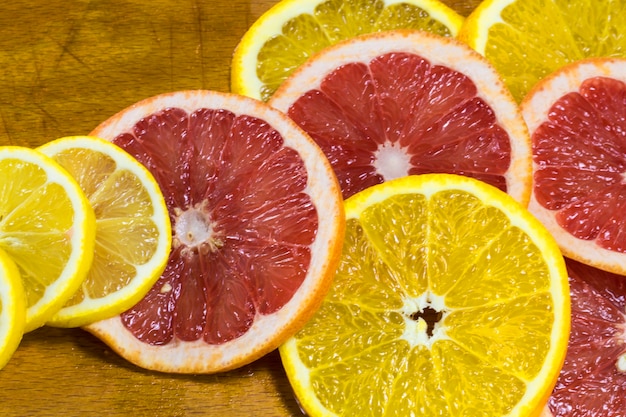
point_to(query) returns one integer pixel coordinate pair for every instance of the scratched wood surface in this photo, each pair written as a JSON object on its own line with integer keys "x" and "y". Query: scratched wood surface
{"x": 65, "y": 66}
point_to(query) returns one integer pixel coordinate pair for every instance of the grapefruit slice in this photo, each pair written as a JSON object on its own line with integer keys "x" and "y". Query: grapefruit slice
{"x": 576, "y": 120}
{"x": 257, "y": 222}
{"x": 396, "y": 103}
{"x": 593, "y": 378}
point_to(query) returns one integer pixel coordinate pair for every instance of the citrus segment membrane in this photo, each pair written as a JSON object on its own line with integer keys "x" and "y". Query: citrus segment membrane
{"x": 449, "y": 299}
{"x": 47, "y": 227}
{"x": 133, "y": 233}
{"x": 12, "y": 308}
{"x": 575, "y": 117}
{"x": 593, "y": 378}
{"x": 400, "y": 103}
{"x": 528, "y": 40}
{"x": 257, "y": 222}
{"x": 292, "y": 31}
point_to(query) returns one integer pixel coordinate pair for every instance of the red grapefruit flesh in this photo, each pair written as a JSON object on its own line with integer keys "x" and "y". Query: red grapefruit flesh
{"x": 257, "y": 222}
{"x": 399, "y": 103}
{"x": 577, "y": 120}
{"x": 592, "y": 382}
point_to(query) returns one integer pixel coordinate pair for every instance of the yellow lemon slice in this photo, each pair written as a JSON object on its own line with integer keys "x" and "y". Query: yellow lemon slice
{"x": 12, "y": 308}
{"x": 47, "y": 227}
{"x": 449, "y": 299}
{"x": 293, "y": 30}
{"x": 133, "y": 234}
{"x": 529, "y": 39}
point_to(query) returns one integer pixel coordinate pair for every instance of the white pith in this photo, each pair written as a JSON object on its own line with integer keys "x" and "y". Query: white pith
{"x": 392, "y": 161}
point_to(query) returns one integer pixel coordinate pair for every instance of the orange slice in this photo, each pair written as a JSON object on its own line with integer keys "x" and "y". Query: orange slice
{"x": 527, "y": 40}
{"x": 593, "y": 378}
{"x": 257, "y": 221}
{"x": 285, "y": 36}
{"x": 576, "y": 120}
{"x": 450, "y": 299}
{"x": 391, "y": 104}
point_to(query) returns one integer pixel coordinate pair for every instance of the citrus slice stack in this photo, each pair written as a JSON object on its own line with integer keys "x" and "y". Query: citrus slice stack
{"x": 12, "y": 308}
{"x": 133, "y": 234}
{"x": 47, "y": 227}
{"x": 593, "y": 377}
{"x": 285, "y": 36}
{"x": 391, "y": 104}
{"x": 450, "y": 299}
{"x": 576, "y": 120}
{"x": 257, "y": 220}
{"x": 528, "y": 39}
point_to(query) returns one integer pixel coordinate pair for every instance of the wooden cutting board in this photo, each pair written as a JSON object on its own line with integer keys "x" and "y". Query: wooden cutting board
{"x": 65, "y": 66}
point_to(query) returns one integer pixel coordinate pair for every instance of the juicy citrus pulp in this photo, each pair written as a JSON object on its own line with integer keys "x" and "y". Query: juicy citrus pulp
{"x": 391, "y": 104}
{"x": 292, "y": 31}
{"x": 12, "y": 308}
{"x": 133, "y": 233}
{"x": 450, "y": 299}
{"x": 47, "y": 227}
{"x": 257, "y": 220}
{"x": 528, "y": 39}
{"x": 593, "y": 377}
{"x": 576, "y": 120}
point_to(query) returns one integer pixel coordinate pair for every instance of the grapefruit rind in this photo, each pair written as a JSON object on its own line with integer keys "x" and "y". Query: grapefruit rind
{"x": 539, "y": 389}
{"x": 438, "y": 51}
{"x": 267, "y": 332}
{"x": 535, "y": 108}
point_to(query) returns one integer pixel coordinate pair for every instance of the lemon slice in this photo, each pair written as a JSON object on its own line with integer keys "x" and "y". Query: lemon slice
{"x": 450, "y": 299}
{"x": 12, "y": 308}
{"x": 47, "y": 227}
{"x": 133, "y": 234}
{"x": 293, "y": 30}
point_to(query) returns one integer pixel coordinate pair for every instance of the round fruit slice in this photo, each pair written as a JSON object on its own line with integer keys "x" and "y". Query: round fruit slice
{"x": 593, "y": 378}
{"x": 257, "y": 220}
{"x": 133, "y": 234}
{"x": 528, "y": 39}
{"x": 47, "y": 227}
{"x": 576, "y": 120}
{"x": 387, "y": 105}
{"x": 12, "y": 308}
{"x": 285, "y": 36}
{"x": 450, "y": 299}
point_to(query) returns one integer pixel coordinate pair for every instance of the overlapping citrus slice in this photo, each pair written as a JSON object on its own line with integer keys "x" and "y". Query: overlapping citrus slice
{"x": 593, "y": 378}
{"x": 576, "y": 120}
{"x": 257, "y": 220}
{"x": 391, "y": 104}
{"x": 289, "y": 33}
{"x": 528, "y": 39}
{"x": 12, "y": 308}
{"x": 450, "y": 299}
{"x": 47, "y": 227}
{"x": 133, "y": 234}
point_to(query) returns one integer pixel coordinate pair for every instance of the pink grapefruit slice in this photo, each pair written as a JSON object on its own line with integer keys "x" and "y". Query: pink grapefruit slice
{"x": 398, "y": 103}
{"x": 257, "y": 223}
{"x": 577, "y": 122}
{"x": 593, "y": 379}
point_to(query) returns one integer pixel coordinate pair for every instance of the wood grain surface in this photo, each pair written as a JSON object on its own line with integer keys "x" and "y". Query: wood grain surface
{"x": 65, "y": 66}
